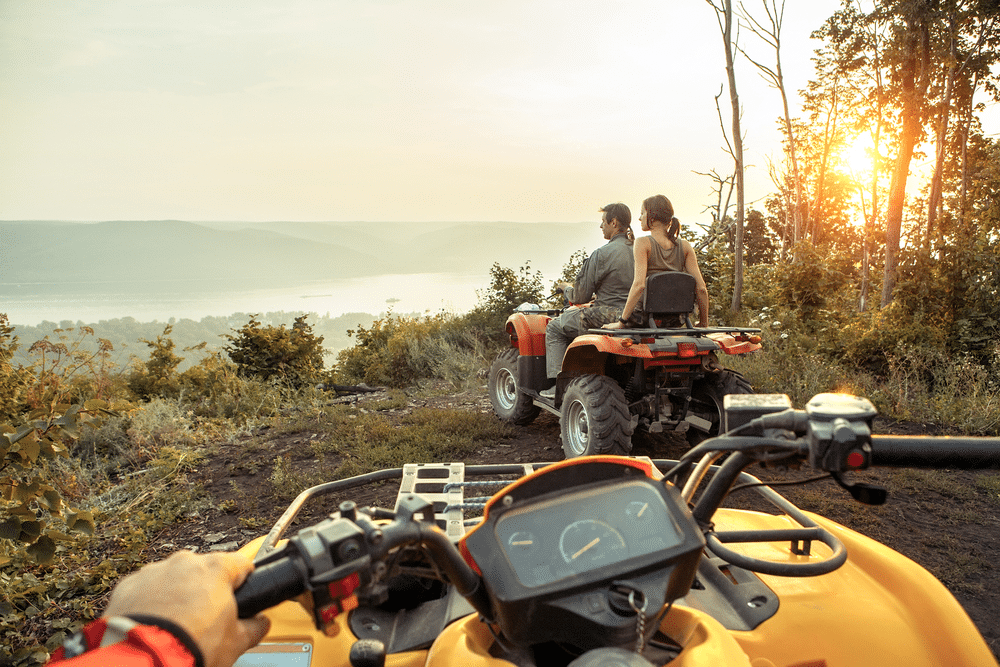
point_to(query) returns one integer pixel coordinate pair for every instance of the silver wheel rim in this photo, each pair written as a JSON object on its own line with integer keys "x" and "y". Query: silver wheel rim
{"x": 506, "y": 389}
{"x": 577, "y": 428}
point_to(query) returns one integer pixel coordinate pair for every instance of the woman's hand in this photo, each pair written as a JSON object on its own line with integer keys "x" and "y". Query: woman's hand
{"x": 613, "y": 325}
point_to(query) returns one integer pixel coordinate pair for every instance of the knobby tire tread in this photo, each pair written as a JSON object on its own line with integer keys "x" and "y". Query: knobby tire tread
{"x": 610, "y": 424}
{"x": 524, "y": 410}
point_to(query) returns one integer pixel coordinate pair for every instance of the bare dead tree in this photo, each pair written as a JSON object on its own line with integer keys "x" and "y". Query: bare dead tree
{"x": 771, "y": 35}
{"x": 723, "y": 188}
{"x": 724, "y": 17}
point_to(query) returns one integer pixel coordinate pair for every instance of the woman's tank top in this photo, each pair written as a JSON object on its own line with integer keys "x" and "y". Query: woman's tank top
{"x": 664, "y": 260}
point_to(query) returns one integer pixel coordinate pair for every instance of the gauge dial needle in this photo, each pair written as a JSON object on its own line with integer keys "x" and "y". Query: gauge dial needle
{"x": 522, "y": 543}
{"x": 593, "y": 542}
{"x": 639, "y": 514}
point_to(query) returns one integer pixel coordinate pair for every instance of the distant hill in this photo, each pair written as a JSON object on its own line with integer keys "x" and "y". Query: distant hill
{"x": 168, "y": 249}
{"x": 275, "y": 253}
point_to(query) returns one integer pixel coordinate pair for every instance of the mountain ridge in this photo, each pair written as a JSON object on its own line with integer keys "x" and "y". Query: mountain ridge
{"x": 134, "y": 252}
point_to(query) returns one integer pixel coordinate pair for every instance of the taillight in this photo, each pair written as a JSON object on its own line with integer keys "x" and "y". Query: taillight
{"x": 686, "y": 350}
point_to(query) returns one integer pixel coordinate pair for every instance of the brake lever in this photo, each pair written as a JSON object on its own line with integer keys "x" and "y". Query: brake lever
{"x": 868, "y": 494}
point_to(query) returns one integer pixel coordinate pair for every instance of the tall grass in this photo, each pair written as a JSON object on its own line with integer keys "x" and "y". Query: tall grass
{"x": 922, "y": 385}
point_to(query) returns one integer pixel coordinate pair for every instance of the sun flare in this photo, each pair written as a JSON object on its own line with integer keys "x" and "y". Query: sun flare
{"x": 858, "y": 155}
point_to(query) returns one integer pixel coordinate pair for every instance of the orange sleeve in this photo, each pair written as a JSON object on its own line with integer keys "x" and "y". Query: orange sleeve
{"x": 122, "y": 643}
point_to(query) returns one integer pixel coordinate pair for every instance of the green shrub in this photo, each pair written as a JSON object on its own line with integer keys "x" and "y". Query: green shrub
{"x": 213, "y": 389}
{"x": 13, "y": 381}
{"x": 64, "y": 395}
{"x": 508, "y": 289}
{"x": 872, "y": 340}
{"x": 157, "y": 376}
{"x": 813, "y": 281}
{"x": 293, "y": 357}
{"x": 396, "y": 351}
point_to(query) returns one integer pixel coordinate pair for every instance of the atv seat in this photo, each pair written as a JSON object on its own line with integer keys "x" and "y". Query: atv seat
{"x": 669, "y": 299}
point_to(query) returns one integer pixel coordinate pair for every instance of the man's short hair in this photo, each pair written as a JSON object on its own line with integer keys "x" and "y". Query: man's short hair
{"x": 618, "y": 212}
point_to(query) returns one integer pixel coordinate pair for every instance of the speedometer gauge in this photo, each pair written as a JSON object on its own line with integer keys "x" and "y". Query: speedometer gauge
{"x": 589, "y": 542}
{"x": 524, "y": 542}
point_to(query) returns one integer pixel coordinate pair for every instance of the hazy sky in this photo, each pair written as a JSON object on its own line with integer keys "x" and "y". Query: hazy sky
{"x": 527, "y": 110}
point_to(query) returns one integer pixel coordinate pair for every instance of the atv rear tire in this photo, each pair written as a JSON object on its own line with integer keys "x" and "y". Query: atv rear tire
{"x": 594, "y": 418}
{"x": 509, "y": 403}
{"x": 706, "y": 401}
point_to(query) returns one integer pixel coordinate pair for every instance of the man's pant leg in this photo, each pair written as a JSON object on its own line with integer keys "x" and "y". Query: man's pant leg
{"x": 559, "y": 332}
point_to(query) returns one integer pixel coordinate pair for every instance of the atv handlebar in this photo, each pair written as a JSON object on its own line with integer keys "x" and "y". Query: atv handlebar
{"x": 928, "y": 451}
{"x": 269, "y": 585}
{"x": 342, "y": 558}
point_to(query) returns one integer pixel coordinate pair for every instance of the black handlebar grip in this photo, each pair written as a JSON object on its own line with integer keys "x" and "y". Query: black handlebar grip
{"x": 910, "y": 451}
{"x": 269, "y": 585}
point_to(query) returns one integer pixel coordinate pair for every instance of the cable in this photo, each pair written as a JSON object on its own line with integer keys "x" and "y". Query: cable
{"x": 784, "y": 483}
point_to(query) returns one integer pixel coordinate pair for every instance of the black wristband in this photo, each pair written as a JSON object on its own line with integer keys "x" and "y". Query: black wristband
{"x": 623, "y": 320}
{"x": 177, "y": 631}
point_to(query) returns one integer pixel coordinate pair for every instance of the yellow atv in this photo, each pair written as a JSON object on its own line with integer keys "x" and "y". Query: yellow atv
{"x": 617, "y": 561}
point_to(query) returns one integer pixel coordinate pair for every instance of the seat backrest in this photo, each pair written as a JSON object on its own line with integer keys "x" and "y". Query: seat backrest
{"x": 669, "y": 293}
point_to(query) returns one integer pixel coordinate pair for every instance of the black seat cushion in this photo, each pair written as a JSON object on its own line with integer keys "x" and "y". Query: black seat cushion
{"x": 669, "y": 292}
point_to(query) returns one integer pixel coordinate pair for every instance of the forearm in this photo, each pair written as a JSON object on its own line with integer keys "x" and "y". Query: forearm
{"x": 634, "y": 297}
{"x": 701, "y": 294}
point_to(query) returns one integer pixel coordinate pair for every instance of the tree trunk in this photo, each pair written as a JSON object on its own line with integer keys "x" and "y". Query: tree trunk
{"x": 830, "y": 132}
{"x": 934, "y": 199}
{"x": 914, "y": 87}
{"x": 966, "y": 123}
{"x": 734, "y": 99}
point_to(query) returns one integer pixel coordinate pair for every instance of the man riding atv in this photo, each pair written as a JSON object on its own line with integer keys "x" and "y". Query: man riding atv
{"x": 603, "y": 282}
{"x": 656, "y": 372}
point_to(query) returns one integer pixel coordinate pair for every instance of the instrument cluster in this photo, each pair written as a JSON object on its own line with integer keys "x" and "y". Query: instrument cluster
{"x": 585, "y": 530}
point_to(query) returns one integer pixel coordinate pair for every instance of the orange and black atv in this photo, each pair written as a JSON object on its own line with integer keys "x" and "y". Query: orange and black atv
{"x": 655, "y": 377}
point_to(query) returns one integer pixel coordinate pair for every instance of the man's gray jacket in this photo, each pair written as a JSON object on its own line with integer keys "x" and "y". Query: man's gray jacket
{"x": 606, "y": 275}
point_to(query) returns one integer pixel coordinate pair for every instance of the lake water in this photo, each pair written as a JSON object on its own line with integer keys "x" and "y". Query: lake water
{"x": 150, "y": 301}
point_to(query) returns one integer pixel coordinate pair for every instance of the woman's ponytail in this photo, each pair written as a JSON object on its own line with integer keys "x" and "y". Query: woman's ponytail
{"x": 673, "y": 229}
